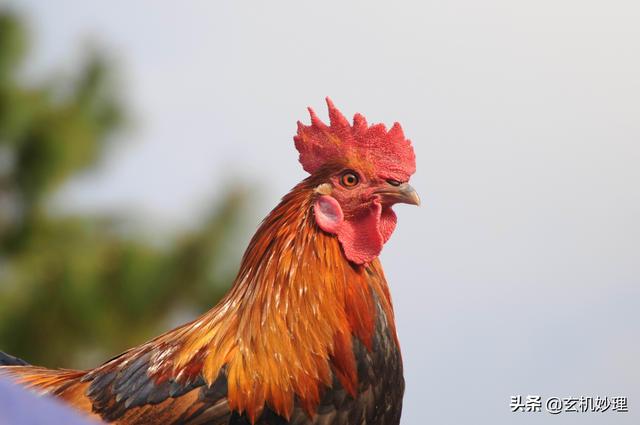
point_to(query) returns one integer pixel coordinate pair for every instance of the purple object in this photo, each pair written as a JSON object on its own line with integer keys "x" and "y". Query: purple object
{"x": 19, "y": 406}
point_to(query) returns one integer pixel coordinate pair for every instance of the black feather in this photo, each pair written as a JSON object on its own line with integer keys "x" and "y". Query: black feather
{"x": 7, "y": 360}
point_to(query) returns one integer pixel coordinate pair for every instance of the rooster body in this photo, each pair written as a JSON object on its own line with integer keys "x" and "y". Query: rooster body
{"x": 305, "y": 336}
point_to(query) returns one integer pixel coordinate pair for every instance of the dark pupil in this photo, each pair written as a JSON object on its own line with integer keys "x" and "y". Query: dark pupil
{"x": 350, "y": 179}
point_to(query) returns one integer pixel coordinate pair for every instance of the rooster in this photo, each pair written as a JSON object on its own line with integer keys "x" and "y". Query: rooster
{"x": 306, "y": 334}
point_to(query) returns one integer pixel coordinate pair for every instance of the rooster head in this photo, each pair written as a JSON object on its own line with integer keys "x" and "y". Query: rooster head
{"x": 363, "y": 171}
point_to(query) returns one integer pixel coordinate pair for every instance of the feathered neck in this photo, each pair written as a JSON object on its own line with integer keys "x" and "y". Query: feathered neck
{"x": 289, "y": 320}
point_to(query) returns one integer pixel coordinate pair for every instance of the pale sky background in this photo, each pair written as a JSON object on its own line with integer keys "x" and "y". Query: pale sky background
{"x": 520, "y": 273}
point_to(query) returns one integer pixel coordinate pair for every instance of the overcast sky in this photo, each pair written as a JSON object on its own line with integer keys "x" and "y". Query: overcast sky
{"x": 520, "y": 273}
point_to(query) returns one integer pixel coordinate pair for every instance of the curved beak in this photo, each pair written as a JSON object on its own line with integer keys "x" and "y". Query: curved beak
{"x": 403, "y": 193}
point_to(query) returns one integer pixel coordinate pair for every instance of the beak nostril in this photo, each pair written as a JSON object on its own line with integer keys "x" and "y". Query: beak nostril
{"x": 403, "y": 193}
{"x": 393, "y": 182}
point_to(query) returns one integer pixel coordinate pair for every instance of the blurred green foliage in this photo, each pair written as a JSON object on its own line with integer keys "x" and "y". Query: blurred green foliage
{"x": 75, "y": 289}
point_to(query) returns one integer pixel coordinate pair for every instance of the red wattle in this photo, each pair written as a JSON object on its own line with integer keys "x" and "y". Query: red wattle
{"x": 361, "y": 236}
{"x": 388, "y": 222}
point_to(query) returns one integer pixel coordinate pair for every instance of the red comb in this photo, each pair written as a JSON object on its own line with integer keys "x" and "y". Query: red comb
{"x": 388, "y": 152}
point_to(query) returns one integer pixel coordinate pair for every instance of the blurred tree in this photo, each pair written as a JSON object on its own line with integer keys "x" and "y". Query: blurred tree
{"x": 74, "y": 289}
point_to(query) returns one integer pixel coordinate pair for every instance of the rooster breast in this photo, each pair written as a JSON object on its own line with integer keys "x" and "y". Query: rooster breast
{"x": 380, "y": 387}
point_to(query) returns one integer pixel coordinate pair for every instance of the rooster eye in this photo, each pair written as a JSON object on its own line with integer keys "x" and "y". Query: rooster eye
{"x": 349, "y": 179}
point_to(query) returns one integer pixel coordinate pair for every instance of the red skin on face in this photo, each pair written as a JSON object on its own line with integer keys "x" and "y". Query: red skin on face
{"x": 356, "y": 215}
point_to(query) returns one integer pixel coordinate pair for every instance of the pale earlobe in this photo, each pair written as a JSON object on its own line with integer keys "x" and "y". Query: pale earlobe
{"x": 328, "y": 213}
